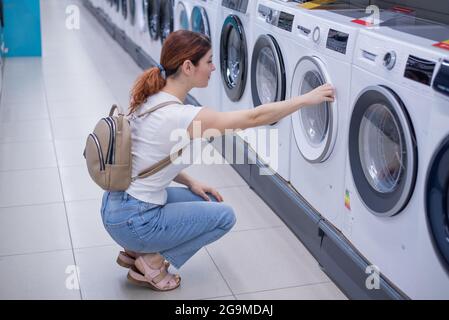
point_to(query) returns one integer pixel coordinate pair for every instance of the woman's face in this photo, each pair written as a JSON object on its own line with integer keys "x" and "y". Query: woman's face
{"x": 203, "y": 70}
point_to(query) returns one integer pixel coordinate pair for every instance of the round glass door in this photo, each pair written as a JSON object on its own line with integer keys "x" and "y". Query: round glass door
{"x": 181, "y": 17}
{"x": 314, "y": 127}
{"x": 200, "y": 21}
{"x": 233, "y": 57}
{"x": 166, "y": 19}
{"x": 154, "y": 26}
{"x": 382, "y": 151}
{"x": 437, "y": 200}
{"x": 267, "y": 71}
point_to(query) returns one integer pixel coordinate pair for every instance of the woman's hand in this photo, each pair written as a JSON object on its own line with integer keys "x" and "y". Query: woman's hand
{"x": 323, "y": 93}
{"x": 202, "y": 190}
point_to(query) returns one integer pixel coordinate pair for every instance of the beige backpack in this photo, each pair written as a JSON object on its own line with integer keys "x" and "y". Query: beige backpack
{"x": 108, "y": 152}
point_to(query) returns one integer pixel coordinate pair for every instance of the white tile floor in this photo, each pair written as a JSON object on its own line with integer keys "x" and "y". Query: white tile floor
{"x": 49, "y": 208}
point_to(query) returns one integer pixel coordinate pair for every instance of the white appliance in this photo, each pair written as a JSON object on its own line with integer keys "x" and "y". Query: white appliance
{"x": 433, "y": 249}
{"x": 182, "y": 14}
{"x": 235, "y": 33}
{"x": 390, "y": 135}
{"x": 115, "y": 13}
{"x": 203, "y": 19}
{"x": 318, "y": 144}
{"x": 273, "y": 58}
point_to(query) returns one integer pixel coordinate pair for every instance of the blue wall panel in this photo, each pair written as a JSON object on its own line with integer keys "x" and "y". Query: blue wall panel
{"x": 22, "y": 31}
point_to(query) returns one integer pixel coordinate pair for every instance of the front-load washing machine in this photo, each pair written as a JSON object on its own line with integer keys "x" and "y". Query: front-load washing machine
{"x": 318, "y": 144}
{"x": 149, "y": 28}
{"x": 183, "y": 11}
{"x": 433, "y": 239}
{"x": 203, "y": 19}
{"x": 235, "y": 33}
{"x": 388, "y": 140}
{"x": 273, "y": 59}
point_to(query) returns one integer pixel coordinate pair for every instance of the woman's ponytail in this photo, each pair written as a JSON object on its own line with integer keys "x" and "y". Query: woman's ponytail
{"x": 151, "y": 81}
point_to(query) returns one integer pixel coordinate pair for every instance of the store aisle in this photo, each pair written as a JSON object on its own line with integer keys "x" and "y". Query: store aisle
{"x": 49, "y": 208}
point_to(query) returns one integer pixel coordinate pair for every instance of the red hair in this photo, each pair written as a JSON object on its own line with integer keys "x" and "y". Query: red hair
{"x": 179, "y": 46}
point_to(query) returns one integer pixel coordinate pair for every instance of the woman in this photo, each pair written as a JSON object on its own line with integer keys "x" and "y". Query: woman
{"x": 155, "y": 222}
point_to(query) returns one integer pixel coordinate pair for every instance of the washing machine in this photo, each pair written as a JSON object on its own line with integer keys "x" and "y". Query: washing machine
{"x": 149, "y": 28}
{"x": 273, "y": 56}
{"x": 434, "y": 247}
{"x": 387, "y": 166}
{"x": 203, "y": 19}
{"x": 115, "y": 13}
{"x": 166, "y": 19}
{"x": 183, "y": 12}
{"x": 235, "y": 31}
{"x": 318, "y": 142}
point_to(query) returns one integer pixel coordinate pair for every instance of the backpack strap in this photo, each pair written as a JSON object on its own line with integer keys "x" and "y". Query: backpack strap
{"x": 167, "y": 160}
{"x": 161, "y": 105}
{"x": 159, "y": 166}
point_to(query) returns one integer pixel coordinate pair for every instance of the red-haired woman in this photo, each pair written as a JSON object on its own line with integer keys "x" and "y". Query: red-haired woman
{"x": 156, "y": 224}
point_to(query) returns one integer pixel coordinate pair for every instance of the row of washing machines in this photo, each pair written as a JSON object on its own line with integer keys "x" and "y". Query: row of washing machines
{"x": 375, "y": 162}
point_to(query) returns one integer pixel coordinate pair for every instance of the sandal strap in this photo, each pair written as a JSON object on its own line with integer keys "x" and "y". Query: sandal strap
{"x": 168, "y": 281}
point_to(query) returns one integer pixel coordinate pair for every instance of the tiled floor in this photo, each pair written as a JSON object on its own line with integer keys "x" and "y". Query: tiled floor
{"x": 49, "y": 208}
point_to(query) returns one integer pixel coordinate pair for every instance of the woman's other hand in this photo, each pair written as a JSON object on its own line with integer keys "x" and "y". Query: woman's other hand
{"x": 202, "y": 190}
{"x": 323, "y": 93}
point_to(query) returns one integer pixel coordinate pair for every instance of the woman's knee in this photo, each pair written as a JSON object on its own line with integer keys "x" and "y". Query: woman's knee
{"x": 228, "y": 216}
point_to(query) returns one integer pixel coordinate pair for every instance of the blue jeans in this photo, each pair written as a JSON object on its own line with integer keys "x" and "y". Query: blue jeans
{"x": 176, "y": 230}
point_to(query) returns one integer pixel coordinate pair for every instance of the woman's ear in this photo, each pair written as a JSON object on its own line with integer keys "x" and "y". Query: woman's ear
{"x": 187, "y": 67}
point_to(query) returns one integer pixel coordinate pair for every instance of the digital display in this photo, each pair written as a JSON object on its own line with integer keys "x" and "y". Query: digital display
{"x": 238, "y": 5}
{"x": 419, "y": 70}
{"x": 285, "y": 21}
{"x": 337, "y": 41}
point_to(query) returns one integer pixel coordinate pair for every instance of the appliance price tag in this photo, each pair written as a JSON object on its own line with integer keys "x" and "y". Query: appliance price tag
{"x": 442, "y": 45}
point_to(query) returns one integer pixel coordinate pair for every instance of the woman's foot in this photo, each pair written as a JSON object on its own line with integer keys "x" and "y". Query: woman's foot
{"x": 153, "y": 274}
{"x": 127, "y": 258}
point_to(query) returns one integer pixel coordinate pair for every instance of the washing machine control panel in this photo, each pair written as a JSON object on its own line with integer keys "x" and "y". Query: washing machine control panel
{"x": 316, "y": 35}
{"x": 390, "y": 60}
{"x": 277, "y": 18}
{"x": 237, "y": 5}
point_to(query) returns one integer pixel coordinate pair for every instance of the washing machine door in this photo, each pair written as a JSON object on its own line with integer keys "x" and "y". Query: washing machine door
{"x": 382, "y": 151}
{"x": 124, "y": 9}
{"x": 267, "y": 71}
{"x": 233, "y": 57}
{"x": 132, "y": 12}
{"x": 437, "y": 200}
{"x": 314, "y": 127}
{"x": 154, "y": 26}
{"x": 166, "y": 20}
{"x": 182, "y": 21}
{"x": 200, "y": 20}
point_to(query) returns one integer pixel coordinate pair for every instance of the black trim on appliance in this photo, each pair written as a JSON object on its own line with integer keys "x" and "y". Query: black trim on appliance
{"x": 437, "y": 201}
{"x": 201, "y": 26}
{"x": 124, "y": 7}
{"x": 268, "y": 41}
{"x": 234, "y": 88}
{"x": 166, "y": 19}
{"x": 154, "y": 23}
{"x": 441, "y": 81}
{"x": 132, "y": 12}
{"x": 381, "y": 203}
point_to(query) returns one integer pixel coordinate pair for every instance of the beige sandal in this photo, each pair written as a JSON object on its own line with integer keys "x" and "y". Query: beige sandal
{"x": 126, "y": 260}
{"x": 156, "y": 279}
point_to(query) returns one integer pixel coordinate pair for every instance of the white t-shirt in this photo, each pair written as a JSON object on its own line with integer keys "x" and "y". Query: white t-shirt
{"x": 151, "y": 143}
